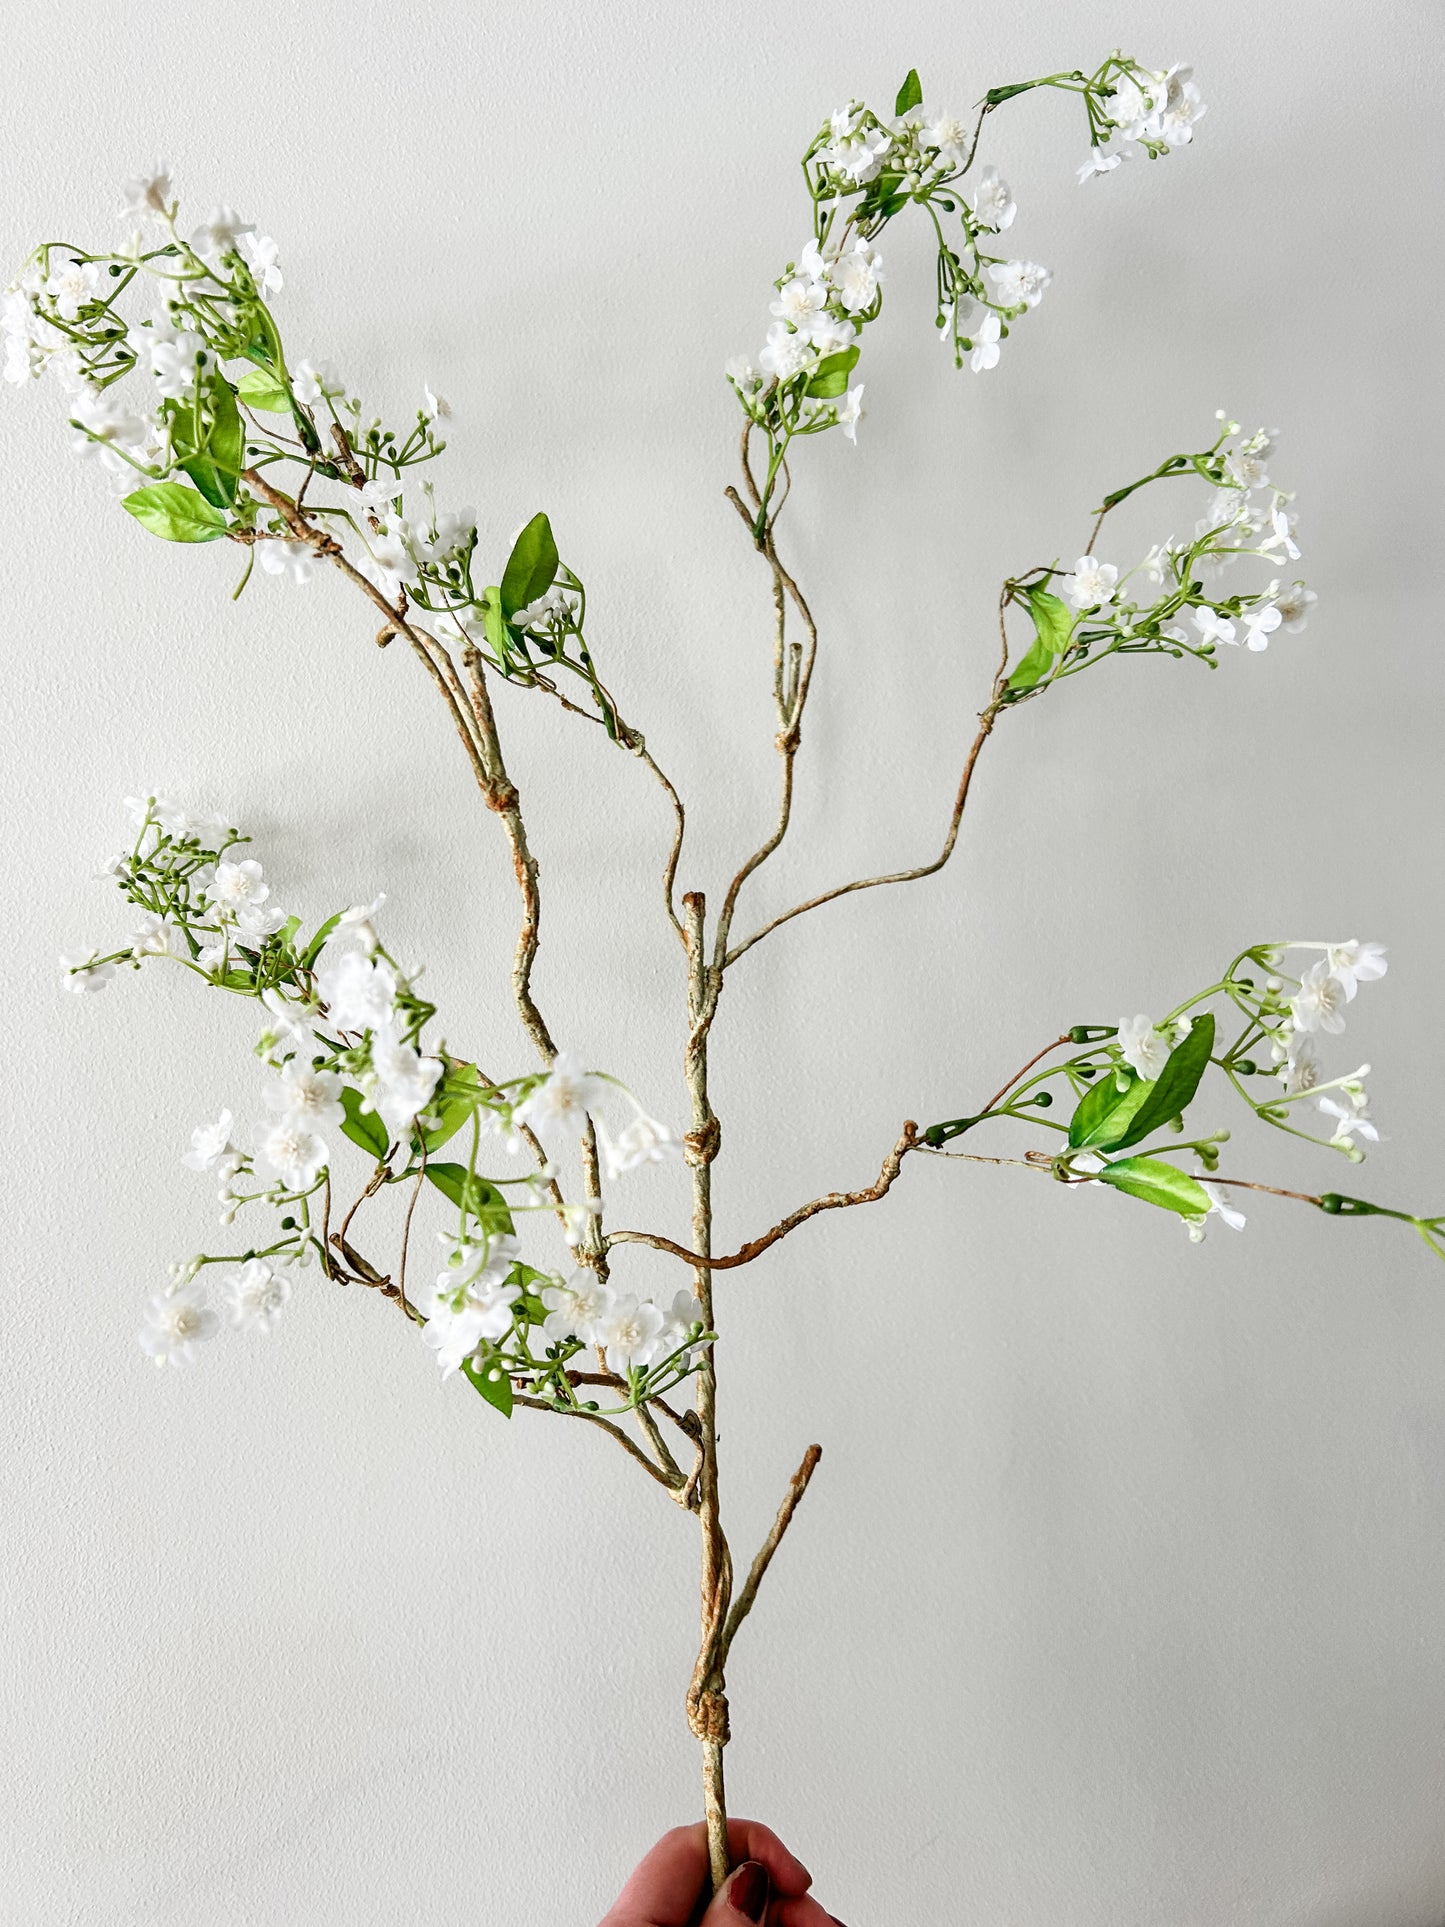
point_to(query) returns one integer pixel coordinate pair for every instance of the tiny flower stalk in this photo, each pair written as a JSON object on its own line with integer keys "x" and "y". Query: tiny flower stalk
{"x": 181, "y": 389}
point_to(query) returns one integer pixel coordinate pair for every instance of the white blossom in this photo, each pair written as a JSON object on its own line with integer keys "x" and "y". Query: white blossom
{"x": 561, "y": 1101}
{"x": 994, "y": 206}
{"x": 359, "y": 992}
{"x": 856, "y": 154}
{"x": 785, "y": 352}
{"x": 1294, "y": 604}
{"x": 360, "y": 921}
{"x": 1300, "y": 1070}
{"x": 800, "y": 303}
{"x": 1320, "y": 1001}
{"x": 83, "y": 973}
{"x": 1260, "y": 624}
{"x": 1092, "y": 585}
{"x": 1219, "y": 1206}
{"x": 148, "y": 195}
{"x": 1212, "y": 626}
{"x": 645, "y": 1141}
{"x": 632, "y": 1333}
{"x": 151, "y": 937}
{"x": 985, "y": 344}
{"x": 294, "y": 1152}
{"x": 438, "y": 408}
{"x": 1351, "y": 1111}
{"x": 105, "y": 423}
{"x": 263, "y": 259}
{"x": 176, "y": 1322}
{"x": 1019, "y": 283}
{"x": 947, "y": 138}
{"x": 312, "y": 380}
{"x": 1182, "y": 108}
{"x": 211, "y": 1144}
{"x": 856, "y": 275}
{"x": 577, "y": 1307}
{"x": 404, "y": 1081}
{"x": 1356, "y": 963}
{"x": 287, "y": 1033}
{"x": 74, "y": 285}
{"x": 850, "y": 411}
{"x": 1143, "y": 1046}
{"x": 256, "y": 1295}
{"x": 307, "y": 1096}
{"x": 220, "y": 232}
{"x": 173, "y": 358}
{"x": 287, "y": 555}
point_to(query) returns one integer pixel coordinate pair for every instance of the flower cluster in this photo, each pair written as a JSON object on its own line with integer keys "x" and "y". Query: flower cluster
{"x": 861, "y": 171}
{"x": 1161, "y": 606}
{"x": 343, "y": 1036}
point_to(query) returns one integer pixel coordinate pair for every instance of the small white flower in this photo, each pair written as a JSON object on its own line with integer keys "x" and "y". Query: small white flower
{"x": 287, "y": 555}
{"x": 682, "y": 1315}
{"x": 947, "y": 138}
{"x": 73, "y": 286}
{"x": 1212, "y": 626}
{"x": 220, "y": 233}
{"x": 645, "y": 1141}
{"x": 84, "y": 974}
{"x": 1019, "y": 284}
{"x": 576, "y": 1308}
{"x": 985, "y": 344}
{"x": 561, "y": 1101}
{"x": 1351, "y": 1110}
{"x": 257, "y": 921}
{"x": 1300, "y": 1070}
{"x": 633, "y": 1333}
{"x": 1092, "y": 585}
{"x": 256, "y": 1295}
{"x": 1102, "y": 159}
{"x": 404, "y": 1081}
{"x": 176, "y": 1322}
{"x": 173, "y": 358}
{"x": 211, "y": 1144}
{"x": 785, "y": 352}
{"x": 856, "y": 275}
{"x": 148, "y": 196}
{"x": 1294, "y": 604}
{"x": 1142, "y": 1046}
{"x": 438, "y": 408}
{"x": 742, "y": 374}
{"x": 307, "y": 1096}
{"x": 1260, "y": 624}
{"x": 295, "y": 1153}
{"x": 103, "y": 424}
{"x": 1320, "y": 1001}
{"x": 286, "y": 1033}
{"x": 314, "y": 379}
{"x": 359, "y": 992}
{"x": 1182, "y": 108}
{"x": 263, "y": 259}
{"x": 151, "y": 937}
{"x": 799, "y": 304}
{"x": 1157, "y": 563}
{"x": 360, "y": 921}
{"x": 850, "y": 411}
{"x": 1356, "y": 963}
{"x": 1219, "y": 1206}
{"x": 237, "y": 883}
{"x": 994, "y": 206}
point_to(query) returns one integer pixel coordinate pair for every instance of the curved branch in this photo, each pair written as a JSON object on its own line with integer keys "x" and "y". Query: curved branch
{"x": 743, "y": 1604}
{"x": 834, "y": 1201}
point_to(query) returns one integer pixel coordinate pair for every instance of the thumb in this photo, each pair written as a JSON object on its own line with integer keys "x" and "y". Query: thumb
{"x": 744, "y": 1897}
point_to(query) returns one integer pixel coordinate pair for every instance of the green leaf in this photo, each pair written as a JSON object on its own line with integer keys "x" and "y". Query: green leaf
{"x": 363, "y": 1127}
{"x": 1176, "y": 1083}
{"x": 830, "y": 378}
{"x": 456, "y": 1103}
{"x": 910, "y": 94}
{"x": 177, "y": 513}
{"x": 259, "y": 389}
{"x": 471, "y": 1193}
{"x": 489, "y": 1376}
{"x": 500, "y": 634}
{"x": 1105, "y": 1112}
{"x": 1053, "y": 625}
{"x": 228, "y": 440}
{"x": 1157, "y": 1183}
{"x": 996, "y": 96}
{"x": 313, "y": 949}
{"x": 531, "y": 567}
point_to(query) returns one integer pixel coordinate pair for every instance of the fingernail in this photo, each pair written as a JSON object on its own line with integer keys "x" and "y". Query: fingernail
{"x": 835, "y": 1920}
{"x": 749, "y": 1891}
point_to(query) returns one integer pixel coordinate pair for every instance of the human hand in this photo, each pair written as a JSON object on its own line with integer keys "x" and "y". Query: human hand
{"x": 669, "y": 1887}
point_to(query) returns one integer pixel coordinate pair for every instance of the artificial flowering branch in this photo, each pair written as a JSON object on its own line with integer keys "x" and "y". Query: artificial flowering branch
{"x": 215, "y": 432}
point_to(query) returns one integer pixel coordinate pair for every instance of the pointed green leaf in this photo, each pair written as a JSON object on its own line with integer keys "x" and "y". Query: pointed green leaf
{"x": 830, "y": 377}
{"x": 259, "y": 389}
{"x": 471, "y": 1193}
{"x": 505, "y": 642}
{"x": 489, "y": 1376}
{"x": 532, "y": 566}
{"x": 177, "y": 513}
{"x": 1157, "y": 1182}
{"x": 313, "y": 949}
{"x": 363, "y": 1127}
{"x": 910, "y": 94}
{"x": 1053, "y": 625}
{"x": 1175, "y": 1084}
{"x": 1105, "y": 1112}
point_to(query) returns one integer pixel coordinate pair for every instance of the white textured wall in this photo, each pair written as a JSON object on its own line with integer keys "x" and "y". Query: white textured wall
{"x": 1129, "y": 1608}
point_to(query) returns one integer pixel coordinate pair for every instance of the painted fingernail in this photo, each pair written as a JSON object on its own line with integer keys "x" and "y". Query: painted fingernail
{"x": 835, "y": 1920}
{"x": 749, "y": 1891}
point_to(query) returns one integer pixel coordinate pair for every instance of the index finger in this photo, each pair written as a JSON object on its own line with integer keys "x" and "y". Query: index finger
{"x": 668, "y": 1882}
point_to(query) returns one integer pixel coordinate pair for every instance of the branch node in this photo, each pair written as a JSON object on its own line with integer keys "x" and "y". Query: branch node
{"x": 702, "y": 1146}
{"x": 707, "y": 1715}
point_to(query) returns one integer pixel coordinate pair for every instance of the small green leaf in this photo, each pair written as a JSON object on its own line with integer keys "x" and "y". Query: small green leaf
{"x": 1176, "y": 1083}
{"x": 996, "y": 96}
{"x": 259, "y": 389}
{"x": 504, "y": 639}
{"x": 1053, "y": 625}
{"x": 910, "y": 94}
{"x": 1157, "y": 1182}
{"x": 483, "y": 1200}
{"x": 1105, "y": 1112}
{"x": 313, "y": 949}
{"x": 455, "y": 1103}
{"x": 363, "y": 1127}
{"x": 489, "y": 1376}
{"x": 830, "y": 377}
{"x": 177, "y": 513}
{"x": 228, "y": 441}
{"x": 531, "y": 567}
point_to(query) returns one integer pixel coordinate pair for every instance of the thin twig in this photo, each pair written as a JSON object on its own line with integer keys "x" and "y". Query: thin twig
{"x": 743, "y": 1604}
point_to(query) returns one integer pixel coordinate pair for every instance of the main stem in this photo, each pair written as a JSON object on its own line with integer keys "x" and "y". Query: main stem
{"x": 707, "y": 1708}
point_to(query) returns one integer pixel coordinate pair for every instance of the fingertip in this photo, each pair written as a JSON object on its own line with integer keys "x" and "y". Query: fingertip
{"x": 751, "y": 1840}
